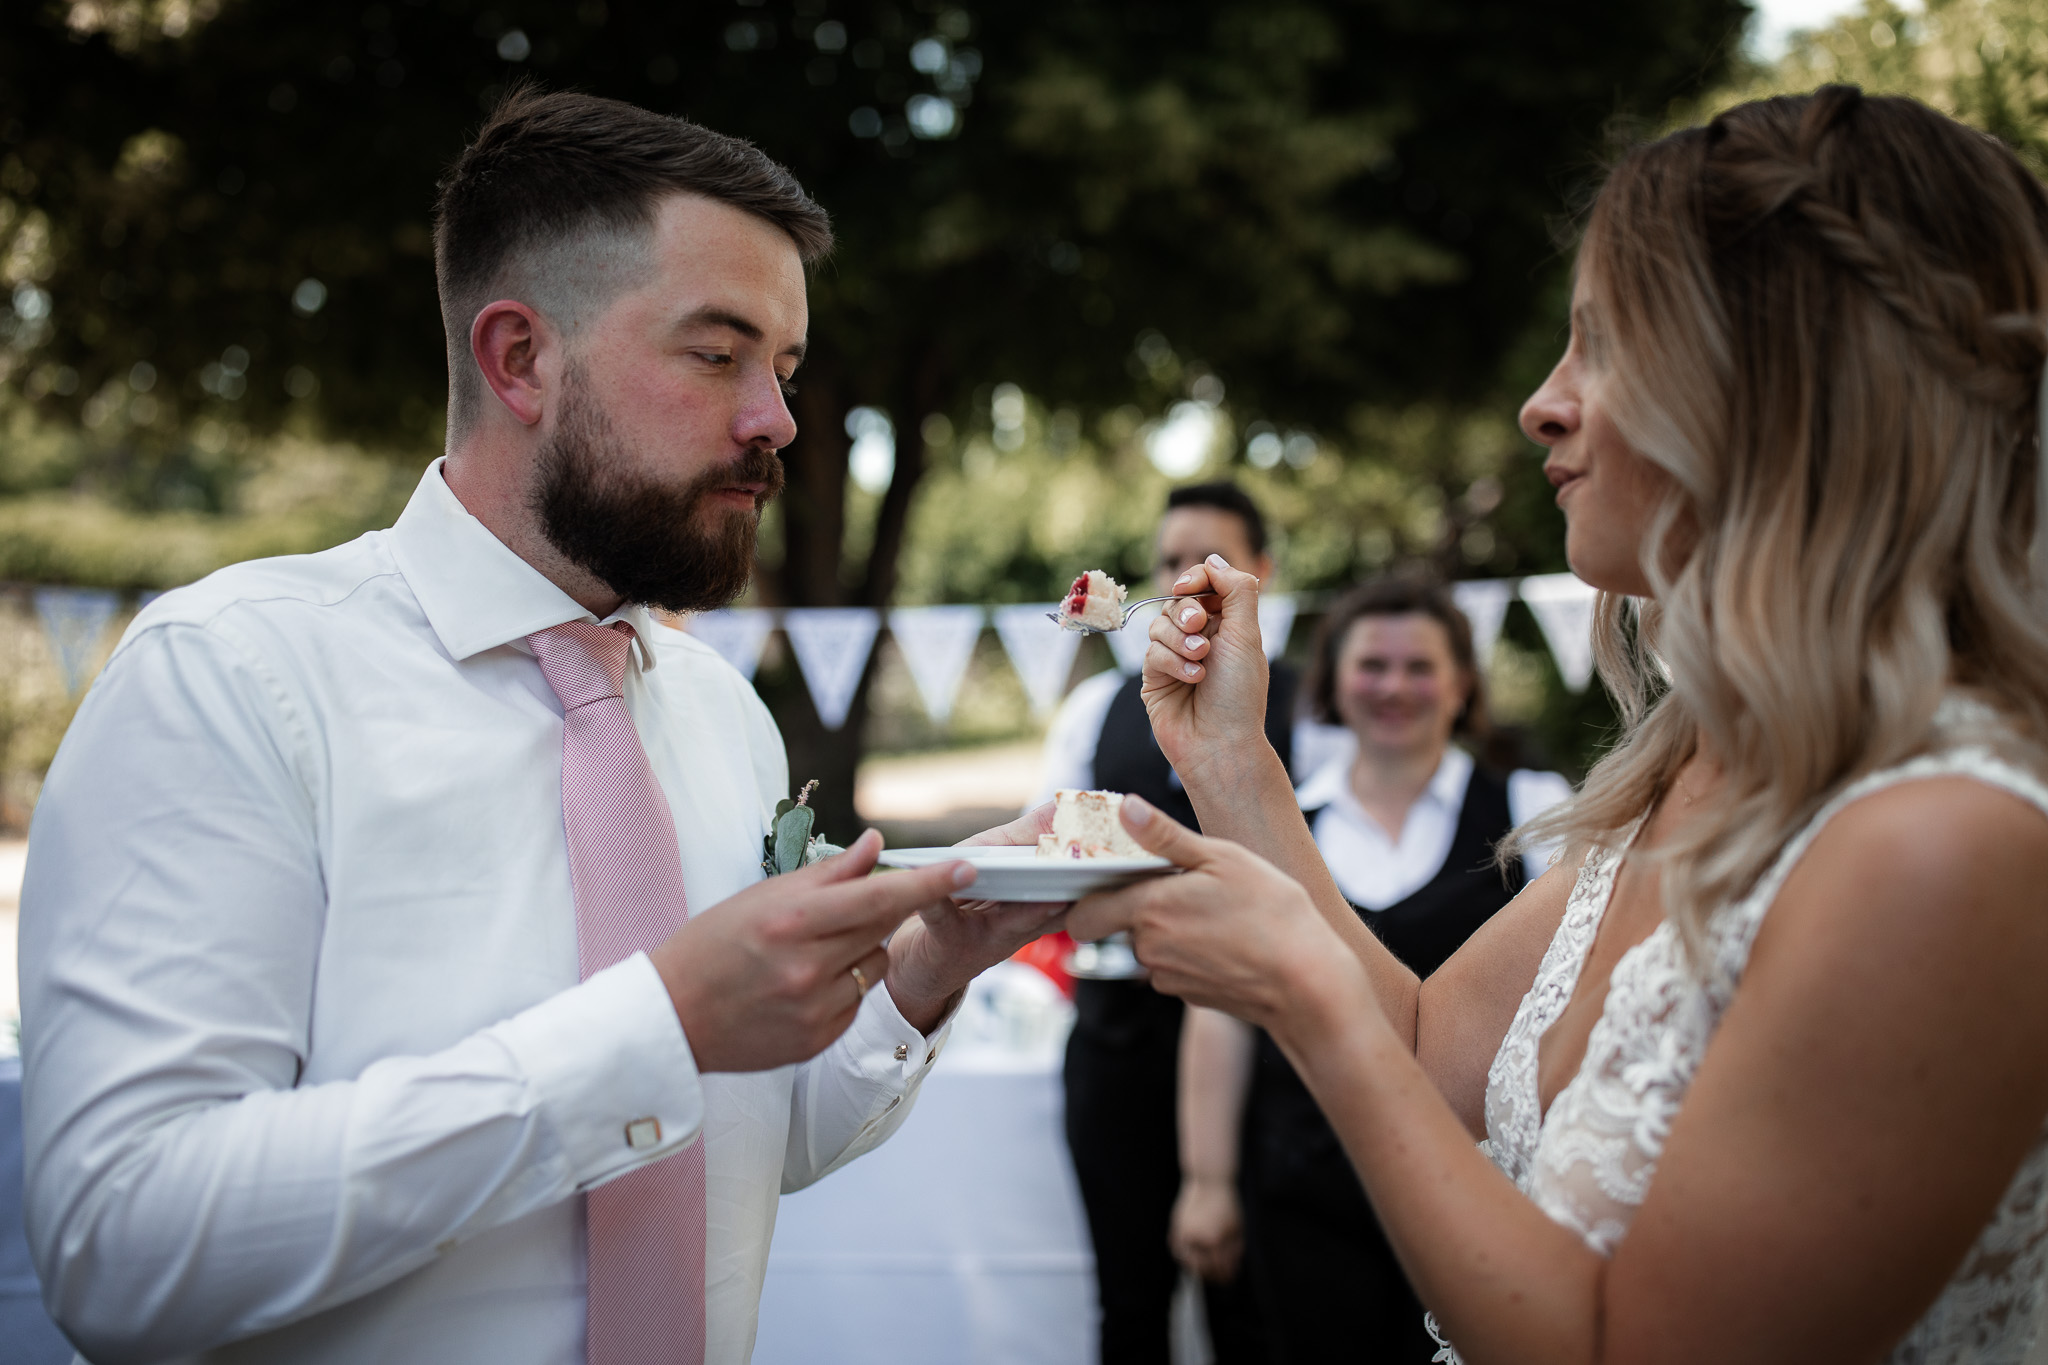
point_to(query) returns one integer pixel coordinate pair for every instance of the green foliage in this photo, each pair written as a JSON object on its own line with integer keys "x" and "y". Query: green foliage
{"x": 1320, "y": 201}
{"x": 1982, "y": 61}
{"x": 214, "y": 227}
{"x": 1427, "y": 482}
{"x": 70, "y": 512}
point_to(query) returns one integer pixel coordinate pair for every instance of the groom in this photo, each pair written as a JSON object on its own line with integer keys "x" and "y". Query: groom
{"x": 399, "y": 978}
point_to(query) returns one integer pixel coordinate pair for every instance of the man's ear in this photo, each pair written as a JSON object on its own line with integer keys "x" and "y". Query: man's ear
{"x": 506, "y": 339}
{"x": 1261, "y": 568}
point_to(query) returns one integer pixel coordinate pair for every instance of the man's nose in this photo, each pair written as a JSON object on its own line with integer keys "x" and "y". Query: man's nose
{"x": 764, "y": 417}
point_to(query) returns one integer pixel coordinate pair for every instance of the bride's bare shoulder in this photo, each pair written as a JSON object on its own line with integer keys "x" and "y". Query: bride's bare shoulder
{"x": 1947, "y": 830}
{"x": 1945, "y": 867}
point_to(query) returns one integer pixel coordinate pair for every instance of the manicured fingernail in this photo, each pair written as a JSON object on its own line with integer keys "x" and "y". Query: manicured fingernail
{"x": 1193, "y": 642}
{"x": 1218, "y": 562}
{"x": 964, "y": 874}
{"x": 1187, "y": 615}
{"x": 1137, "y": 812}
{"x": 1184, "y": 579}
{"x": 1192, "y": 670}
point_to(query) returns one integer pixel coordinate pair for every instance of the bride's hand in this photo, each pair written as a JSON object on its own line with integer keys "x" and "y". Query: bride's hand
{"x": 1205, "y": 671}
{"x": 1231, "y": 932}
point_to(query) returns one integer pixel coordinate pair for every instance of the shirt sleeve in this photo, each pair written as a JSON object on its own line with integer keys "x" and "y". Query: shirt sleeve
{"x": 1530, "y": 794}
{"x": 848, "y": 1099}
{"x": 184, "y": 1189}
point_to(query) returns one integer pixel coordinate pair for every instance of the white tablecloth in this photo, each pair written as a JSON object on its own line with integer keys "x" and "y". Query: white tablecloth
{"x": 961, "y": 1240}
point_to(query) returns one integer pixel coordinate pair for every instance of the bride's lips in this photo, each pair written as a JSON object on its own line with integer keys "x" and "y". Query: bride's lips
{"x": 1562, "y": 478}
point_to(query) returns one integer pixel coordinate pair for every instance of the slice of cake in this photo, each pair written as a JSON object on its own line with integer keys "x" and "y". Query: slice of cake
{"x": 1095, "y": 602}
{"x": 1085, "y": 825}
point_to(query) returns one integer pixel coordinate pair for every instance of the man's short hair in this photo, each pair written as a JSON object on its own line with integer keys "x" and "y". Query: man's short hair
{"x": 554, "y": 204}
{"x": 1225, "y": 497}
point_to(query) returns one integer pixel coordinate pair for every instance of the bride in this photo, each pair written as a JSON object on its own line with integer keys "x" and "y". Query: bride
{"x": 1761, "y": 1064}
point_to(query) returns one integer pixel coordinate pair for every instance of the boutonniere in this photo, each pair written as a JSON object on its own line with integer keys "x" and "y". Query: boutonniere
{"x": 790, "y": 844}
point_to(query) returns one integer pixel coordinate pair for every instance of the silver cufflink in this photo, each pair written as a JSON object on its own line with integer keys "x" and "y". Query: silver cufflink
{"x": 902, "y": 1052}
{"x": 643, "y": 1134}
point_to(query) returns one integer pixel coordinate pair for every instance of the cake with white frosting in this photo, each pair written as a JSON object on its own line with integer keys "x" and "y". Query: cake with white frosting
{"x": 1085, "y": 825}
{"x": 1095, "y": 602}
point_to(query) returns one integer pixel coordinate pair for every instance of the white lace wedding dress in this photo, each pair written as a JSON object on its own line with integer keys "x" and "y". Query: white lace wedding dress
{"x": 1590, "y": 1160}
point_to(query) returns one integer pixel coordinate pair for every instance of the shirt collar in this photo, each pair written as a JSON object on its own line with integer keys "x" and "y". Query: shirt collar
{"x": 476, "y": 593}
{"x": 1331, "y": 783}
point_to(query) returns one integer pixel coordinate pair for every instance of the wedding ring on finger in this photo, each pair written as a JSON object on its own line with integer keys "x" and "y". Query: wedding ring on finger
{"x": 860, "y": 980}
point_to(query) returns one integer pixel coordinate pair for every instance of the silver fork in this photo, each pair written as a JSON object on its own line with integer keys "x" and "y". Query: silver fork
{"x": 1069, "y": 623}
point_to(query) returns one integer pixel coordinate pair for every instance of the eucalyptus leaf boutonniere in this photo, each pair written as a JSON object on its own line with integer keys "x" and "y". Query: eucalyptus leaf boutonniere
{"x": 790, "y": 844}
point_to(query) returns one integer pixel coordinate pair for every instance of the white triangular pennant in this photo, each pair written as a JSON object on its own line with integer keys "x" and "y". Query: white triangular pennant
{"x": 1040, "y": 649}
{"x": 1485, "y": 604}
{"x": 1276, "y": 621}
{"x": 1130, "y": 643}
{"x": 75, "y": 619}
{"x": 832, "y": 645}
{"x": 937, "y": 643}
{"x": 737, "y": 633}
{"x": 1563, "y": 604}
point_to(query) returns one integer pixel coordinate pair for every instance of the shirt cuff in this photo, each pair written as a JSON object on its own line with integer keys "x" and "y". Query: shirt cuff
{"x": 610, "y": 1070}
{"x": 885, "y": 1047}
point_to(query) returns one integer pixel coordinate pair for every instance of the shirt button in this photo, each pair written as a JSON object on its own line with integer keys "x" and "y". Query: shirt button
{"x": 902, "y": 1052}
{"x": 643, "y": 1134}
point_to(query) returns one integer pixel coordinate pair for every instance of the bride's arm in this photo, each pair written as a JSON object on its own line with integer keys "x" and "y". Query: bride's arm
{"x": 1866, "y": 1100}
{"x": 1205, "y": 692}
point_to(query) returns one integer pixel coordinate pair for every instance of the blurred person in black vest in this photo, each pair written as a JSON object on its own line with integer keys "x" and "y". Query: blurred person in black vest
{"x": 1407, "y": 822}
{"x": 1122, "y": 1055}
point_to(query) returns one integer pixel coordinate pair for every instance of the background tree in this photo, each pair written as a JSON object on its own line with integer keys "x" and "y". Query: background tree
{"x": 218, "y": 216}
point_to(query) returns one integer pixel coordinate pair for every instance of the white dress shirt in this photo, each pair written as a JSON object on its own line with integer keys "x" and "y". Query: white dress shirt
{"x": 1374, "y": 871}
{"x": 309, "y": 1073}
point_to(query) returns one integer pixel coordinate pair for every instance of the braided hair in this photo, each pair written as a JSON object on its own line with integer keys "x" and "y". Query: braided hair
{"x": 1828, "y": 322}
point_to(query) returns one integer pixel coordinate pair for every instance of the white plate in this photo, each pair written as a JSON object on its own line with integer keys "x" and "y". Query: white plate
{"x": 1019, "y": 874}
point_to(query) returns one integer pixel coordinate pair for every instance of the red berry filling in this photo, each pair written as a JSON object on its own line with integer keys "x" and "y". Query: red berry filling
{"x": 1077, "y": 597}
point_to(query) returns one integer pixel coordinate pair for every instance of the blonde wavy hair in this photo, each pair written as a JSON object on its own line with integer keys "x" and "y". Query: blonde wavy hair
{"x": 1826, "y": 321}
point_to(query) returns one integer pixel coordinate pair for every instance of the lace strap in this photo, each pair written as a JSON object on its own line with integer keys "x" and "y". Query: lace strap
{"x": 1734, "y": 929}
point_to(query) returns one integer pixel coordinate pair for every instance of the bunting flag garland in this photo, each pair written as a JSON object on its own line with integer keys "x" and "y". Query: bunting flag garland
{"x": 1563, "y": 604}
{"x": 832, "y": 645}
{"x": 1040, "y": 649}
{"x": 1130, "y": 643}
{"x": 1276, "y": 621}
{"x": 737, "y": 633}
{"x": 1485, "y": 604}
{"x": 937, "y": 643}
{"x": 75, "y": 620}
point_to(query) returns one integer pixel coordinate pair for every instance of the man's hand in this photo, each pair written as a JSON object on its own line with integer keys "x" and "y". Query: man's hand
{"x": 765, "y": 978}
{"x": 1207, "y": 1230}
{"x": 949, "y": 943}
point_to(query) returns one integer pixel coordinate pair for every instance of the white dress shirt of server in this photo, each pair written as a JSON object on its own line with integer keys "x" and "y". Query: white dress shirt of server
{"x": 309, "y": 1072}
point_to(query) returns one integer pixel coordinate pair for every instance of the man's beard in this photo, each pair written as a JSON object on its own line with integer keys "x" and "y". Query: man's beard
{"x": 641, "y": 538}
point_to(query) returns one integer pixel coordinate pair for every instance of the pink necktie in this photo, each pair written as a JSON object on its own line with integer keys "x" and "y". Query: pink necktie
{"x": 645, "y": 1229}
